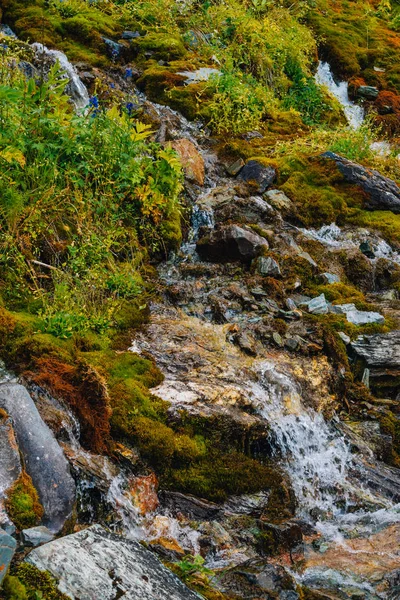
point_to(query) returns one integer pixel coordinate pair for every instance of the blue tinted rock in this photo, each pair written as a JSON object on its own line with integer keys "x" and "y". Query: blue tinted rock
{"x": 7, "y": 549}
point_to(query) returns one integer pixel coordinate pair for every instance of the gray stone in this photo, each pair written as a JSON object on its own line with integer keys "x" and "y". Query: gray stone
{"x": 307, "y": 257}
{"x": 355, "y": 316}
{"x": 114, "y": 49}
{"x": 7, "y": 548}
{"x": 278, "y": 199}
{"x": 234, "y": 168}
{"x": 35, "y": 536}
{"x": 289, "y": 595}
{"x": 10, "y": 464}
{"x": 380, "y": 353}
{"x": 6, "y": 30}
{"x": 130, "y": 35}
{"x": 383, "y": 193}
{"x": 44, "y": 460}
{"x": 257, "y": 175}
{"x": 292, "y": 343}
{"x": 318, "y": 305}
{"x": 344, "y": 337}
{"x": 367, "y": 249}
{"x": 229, "y": 243}
{"x": 202, "y": 74}
{"x": 95, "y": 564}
{"x": 367, "y": 91}
{"x": 277, "y": 339}
{"x": 267, "y": 267}
{"x": 330, "y": 278}
{"x": 291, "y": 304}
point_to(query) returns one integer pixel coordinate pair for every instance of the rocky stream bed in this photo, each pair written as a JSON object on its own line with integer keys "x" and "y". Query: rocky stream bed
{"x": 241, "y": 349}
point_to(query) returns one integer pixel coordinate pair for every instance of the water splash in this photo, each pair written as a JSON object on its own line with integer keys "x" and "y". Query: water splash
{"x": 75, "y": 89}
{"x": 354, "y": 113}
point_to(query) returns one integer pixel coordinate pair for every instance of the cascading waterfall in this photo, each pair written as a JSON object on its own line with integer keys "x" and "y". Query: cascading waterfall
{"x": 354, "y": 113}
{"x": 75, "y": 89}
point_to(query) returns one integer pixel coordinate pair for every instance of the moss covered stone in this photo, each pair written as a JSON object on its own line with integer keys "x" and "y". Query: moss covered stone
{"x": 22, "y": 503}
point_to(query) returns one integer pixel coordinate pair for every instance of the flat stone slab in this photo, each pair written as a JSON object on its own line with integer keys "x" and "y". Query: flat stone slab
{"x": 44, "y": 459}
{"x": 95, "y": 564}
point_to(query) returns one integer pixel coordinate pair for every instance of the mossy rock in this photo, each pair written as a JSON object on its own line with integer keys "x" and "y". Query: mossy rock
{"x": 22, "y": 503}
{"x": 162, "y": 46}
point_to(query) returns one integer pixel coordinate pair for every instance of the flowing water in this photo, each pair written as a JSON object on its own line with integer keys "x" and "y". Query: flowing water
{"x": 353, "y": 112}
{"x": 75, "y": 89}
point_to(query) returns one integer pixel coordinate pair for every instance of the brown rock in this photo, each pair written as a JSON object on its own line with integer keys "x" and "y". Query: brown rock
{"x": 192, "y": 161}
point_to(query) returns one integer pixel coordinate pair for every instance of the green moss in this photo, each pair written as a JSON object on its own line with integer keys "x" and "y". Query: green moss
{"x": 13, "y": 589}
{"x": 38, "y": 584}
{"x": 22, "y": 503}
{"x": 220, "y": 474}
{"x": 384, "y": 222}
{"x": 163, "y": 46}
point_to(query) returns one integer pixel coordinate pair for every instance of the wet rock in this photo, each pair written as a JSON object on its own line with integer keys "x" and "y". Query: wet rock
{"x": 114, "y": 49}
{"x": 192, "y": 161}
{"x": 6, "y": 30}
{"x": 190, "y": 506}
{"x": 246, "y": 343}
{"x": 355, "y": 316}
{"x": 318, "y": 305}
{"x": 383, "y": 193}
{"x": 130, "y": 35}
{"x": 367, "y": 249}
{"x": 35, "y": 536}
{"x": 10, "y": 464}
{"x": 257, "y": 175}
{"x": 234, "y": 168}
{"x": 230, "y": 243}
{"x": 114, "y": 567}
{"x": 255, "y": 581}
{"x": 44, "y": 459}
{"x": 380, "y": 353}
{"x": 267, "y": 267}
{"x": 244, "y": 210}
{"x": 330, "y": 278}
{"x": 278, "y": 200}
{"x": 7, "y": 548}
{"x": 367, "y": 91}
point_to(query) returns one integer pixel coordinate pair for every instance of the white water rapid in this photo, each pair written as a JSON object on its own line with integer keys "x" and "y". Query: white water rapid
{"x": 354, "y": 113}
{"x": 75, "y": 89}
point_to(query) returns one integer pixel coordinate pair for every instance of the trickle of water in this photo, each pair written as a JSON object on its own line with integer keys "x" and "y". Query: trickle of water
{"x": 354, "y": 113}
{"x": 75, "y": 89}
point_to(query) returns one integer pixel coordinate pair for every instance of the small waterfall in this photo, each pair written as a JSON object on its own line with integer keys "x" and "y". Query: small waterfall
{"x": 316, "y": 456}
{"x": 354, "y": 113}
{"x": 74, "y": 88}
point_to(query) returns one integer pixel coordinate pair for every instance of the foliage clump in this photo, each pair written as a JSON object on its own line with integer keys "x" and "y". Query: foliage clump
{"x": 22, "y": 503}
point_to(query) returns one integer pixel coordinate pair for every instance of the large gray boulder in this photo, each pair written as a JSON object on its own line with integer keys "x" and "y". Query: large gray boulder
{"x": 231, "y": 243}
{"x": 95, "y": 564}
{"x": 44, "y": 459}
{"x": 383, "y": 193}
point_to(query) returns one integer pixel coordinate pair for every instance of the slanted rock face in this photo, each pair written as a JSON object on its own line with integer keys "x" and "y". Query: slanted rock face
{"x": 380, "y": 353}
{"x": 231, "y": 243}
{"x": 192, "y": 161}
{"x": 383, "y": 193}
{"x": 113, "y": 568}
{"x": 257, "y": 176}
{"x": 44, "y": 459}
